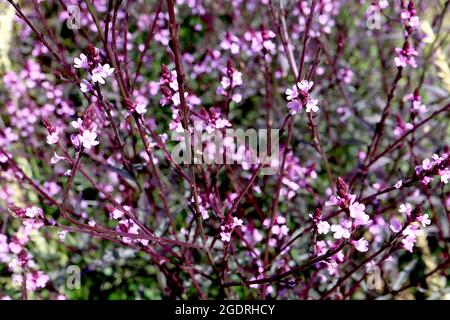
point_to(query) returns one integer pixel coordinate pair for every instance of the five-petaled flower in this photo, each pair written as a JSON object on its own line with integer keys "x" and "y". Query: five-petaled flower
{"x": 87, "y": 138}
{"x": 101, "y": 72}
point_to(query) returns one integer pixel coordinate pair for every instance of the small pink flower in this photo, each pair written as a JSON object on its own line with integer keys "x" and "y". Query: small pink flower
{"x": 81, "y": 62}
{"x": 399, "y": 184}
{"x": 52, "y": 138}
{"x": 405, "y": 208}
{"x": 427, "y": 164}
{"x": 408, "y": 243}
{"x": 141, "y": 108}
{"x": 88, "y": 139}
{"x": 305, "y": 85}
{"x": 323, "y": 227}
{"x": 294, "y": 107}
{"x": 237, "y": 222}
{"x": 225, "y": 236}
{"x": 340, "y": 232}
{"x": 445, "y": 175}
{"x": 33, "y": 212}
{"x": 424, "y": 220}
{"x": 362, "y": 245}
{"x": 85, "y": 86}
{"x": 101, "y": 72}
{"x": 357, "y": 213}
{"x": 311, "y": 105}
{"x": 395, "y": 225}
{"x": 291, "y": 93}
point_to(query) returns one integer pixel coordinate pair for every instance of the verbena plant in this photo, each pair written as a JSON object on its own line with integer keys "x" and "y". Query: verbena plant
{"x": 92, "y": 92}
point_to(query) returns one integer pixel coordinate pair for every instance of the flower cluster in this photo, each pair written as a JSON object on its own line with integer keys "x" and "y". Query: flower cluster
{"x": 299, "y": 98}
{"x": 87, "y": 129}
{"x": 409, "y": 17}
{"x": 437, "y": 165}
{"x": 406, "y": 56}
{"x": 91, "y": 62}
{"x": 227, "y": 227}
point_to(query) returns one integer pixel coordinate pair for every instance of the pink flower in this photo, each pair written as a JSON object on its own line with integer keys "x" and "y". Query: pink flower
{"x": 33, "y": 212}
{"x": 357, "y": 213}
{"x": 81, "y": 62}
{"x": 405, "y": 208}
{"x": 294, "y": 106}
{"x": 408, "y": 243}
{"x": 236, "y": 80}
{"x": 225, "y": 236}
{"x": 117, "y": 214}
{"x": 291, "y": 93}
{"x": 88, "y": 139}
{"x": 405, "y": 57}
{"x": 332, "y": 201}
{"x": 305, "y": 85}
{"x": 77, "y": 124}
{"x": 237, "y": 222}
{"x": 141, "y": 108}
{"x": 445, "y": 175}
{"x": 85, "y": 86}
{"x": 101, "y": 72}
{"x": 395, "y": 225}
{"x": 362, "y": 245}
{"x": 323, "y": 227}
{"x": 427, "y": 164}
{"x": 398, "y": 184}
{"x": 311, "y": 105}
{"x": 52, "y": 138}
{"x": 299, "y": 97}
{"x": 340, "y": 232}
{"x": 424, "y": 220}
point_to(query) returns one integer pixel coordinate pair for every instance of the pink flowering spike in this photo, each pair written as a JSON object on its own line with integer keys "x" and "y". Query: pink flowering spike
{"x": 395, "y": 225}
